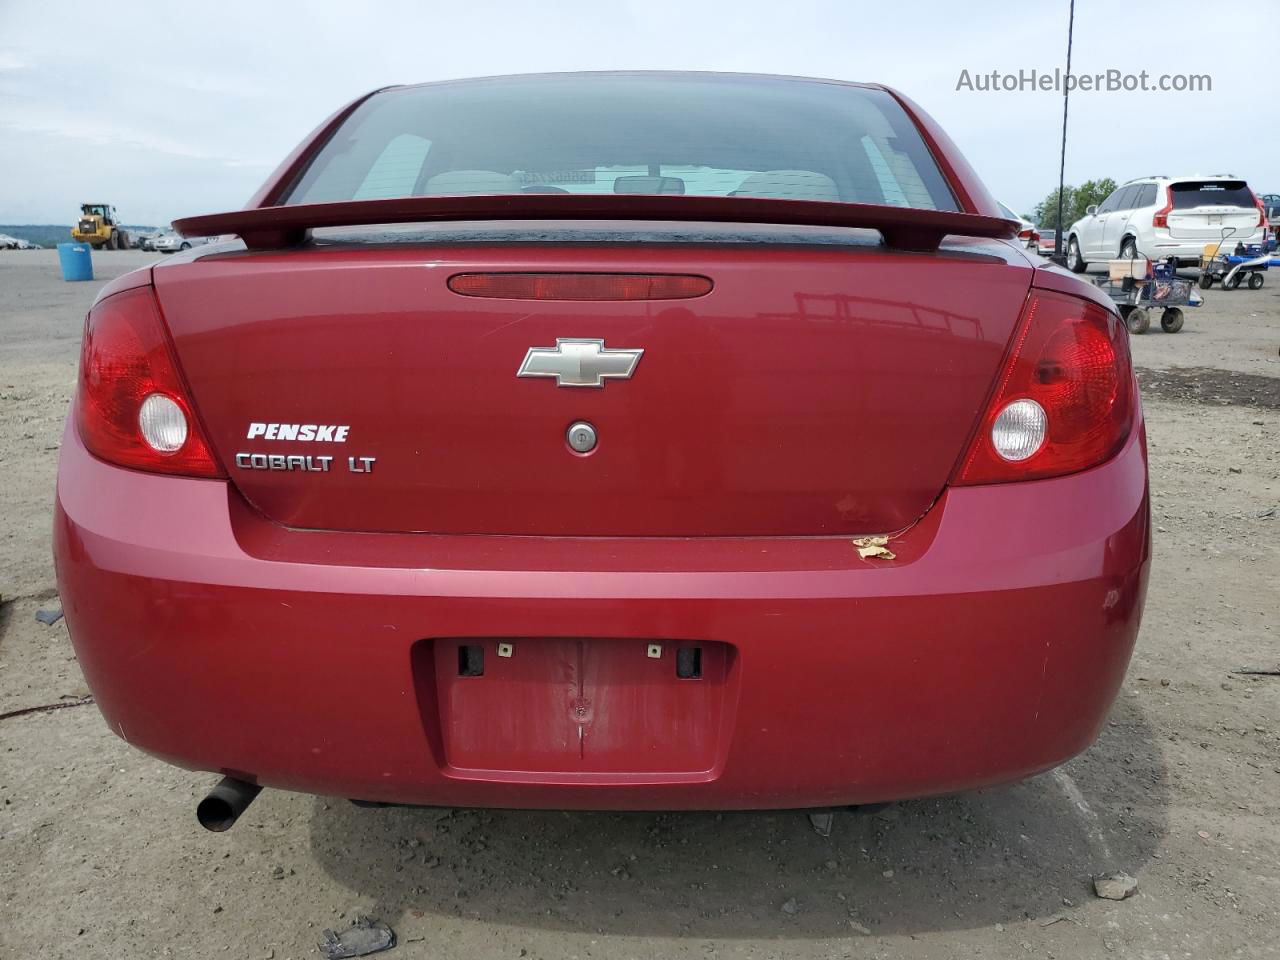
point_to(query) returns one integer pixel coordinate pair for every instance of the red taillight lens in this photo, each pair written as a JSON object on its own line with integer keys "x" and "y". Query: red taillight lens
{"x": 580, "y": 286}
{"x": 1065, "y": 398}
{"x": 132, "y": 407}
{"x": 1262, "y": 211}
{"x": 1161, "y": 216}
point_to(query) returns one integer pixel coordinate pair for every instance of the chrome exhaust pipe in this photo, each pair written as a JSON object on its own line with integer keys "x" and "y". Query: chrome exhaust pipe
{"x": 221, "y": 808}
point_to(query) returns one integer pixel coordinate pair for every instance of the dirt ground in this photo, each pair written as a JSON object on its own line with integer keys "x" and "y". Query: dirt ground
{"x": 100, "y": 855}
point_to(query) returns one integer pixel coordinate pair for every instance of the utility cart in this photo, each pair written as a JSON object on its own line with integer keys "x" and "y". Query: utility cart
{"x": 1245, "y": 264}
{"x": 1139, "y": 287}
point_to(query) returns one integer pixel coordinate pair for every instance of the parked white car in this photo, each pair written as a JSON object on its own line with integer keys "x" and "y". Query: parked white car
{"x": 147, "y": 240}
{"x": 171, "y": 242}
{"x": 1160, "y": 217}
{"x": 1027, "y": 235}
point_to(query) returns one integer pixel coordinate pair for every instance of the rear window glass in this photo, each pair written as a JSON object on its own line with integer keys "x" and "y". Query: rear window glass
{"x": 1211, "y": 193}
{"x": 630, "y": 134}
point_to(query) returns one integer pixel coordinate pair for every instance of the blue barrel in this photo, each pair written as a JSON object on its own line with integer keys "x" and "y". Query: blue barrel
{"x": 76, "y": 260}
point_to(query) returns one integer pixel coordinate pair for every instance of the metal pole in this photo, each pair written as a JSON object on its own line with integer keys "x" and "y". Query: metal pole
{"x": 1058, "y": 256}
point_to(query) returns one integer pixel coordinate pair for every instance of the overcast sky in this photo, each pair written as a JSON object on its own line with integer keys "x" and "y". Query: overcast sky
{"x": 183, "y": 108}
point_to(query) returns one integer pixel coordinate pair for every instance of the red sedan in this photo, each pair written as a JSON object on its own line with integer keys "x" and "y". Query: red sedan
{"x": 631, "y": 441}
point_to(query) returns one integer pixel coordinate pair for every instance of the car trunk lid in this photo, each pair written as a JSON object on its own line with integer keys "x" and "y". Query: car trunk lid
{"x": 826, "y": 385}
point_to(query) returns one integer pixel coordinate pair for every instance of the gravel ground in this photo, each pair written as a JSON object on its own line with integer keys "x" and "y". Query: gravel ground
{"x": 100, "y": 855}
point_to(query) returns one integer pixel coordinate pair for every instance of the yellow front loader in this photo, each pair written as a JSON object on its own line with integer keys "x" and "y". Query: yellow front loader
{"x": 99, "y": 226}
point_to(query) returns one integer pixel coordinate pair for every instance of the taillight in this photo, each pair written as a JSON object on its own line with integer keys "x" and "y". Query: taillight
{"x": 132, "y": 407}
{"x": 1262, "y": 211}
{"x": 1161, "y": 216}
{"x": 1065, "y": 398}
{"x": 580, "y": 286}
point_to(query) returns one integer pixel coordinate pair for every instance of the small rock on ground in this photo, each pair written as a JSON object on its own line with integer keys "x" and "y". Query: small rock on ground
{"x": 49, "y": 617}
{"x": 1115, "y": 886}
{"x": 362, "y": 938}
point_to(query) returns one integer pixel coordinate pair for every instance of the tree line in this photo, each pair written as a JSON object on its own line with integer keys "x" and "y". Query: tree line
{"x": 1074, "y": 202}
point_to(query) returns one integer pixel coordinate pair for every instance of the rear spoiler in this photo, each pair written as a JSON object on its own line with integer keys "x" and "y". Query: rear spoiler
{"x": 906, "y": 228}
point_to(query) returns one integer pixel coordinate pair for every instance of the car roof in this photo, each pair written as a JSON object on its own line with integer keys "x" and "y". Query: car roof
{"x": 642, "y": 74}
{"x": 1162, "y": 178}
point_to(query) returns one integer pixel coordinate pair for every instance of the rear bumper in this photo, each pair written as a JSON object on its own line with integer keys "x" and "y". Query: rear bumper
{"x": 1190, "y": 252}
{"x": 991, "y": 649}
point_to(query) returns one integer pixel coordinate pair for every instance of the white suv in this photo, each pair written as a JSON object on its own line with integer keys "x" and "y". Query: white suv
{"x": 1160, "y": 217}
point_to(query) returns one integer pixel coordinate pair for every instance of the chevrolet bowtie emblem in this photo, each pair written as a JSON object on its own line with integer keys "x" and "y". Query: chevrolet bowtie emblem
{"x": 579, "y": 363}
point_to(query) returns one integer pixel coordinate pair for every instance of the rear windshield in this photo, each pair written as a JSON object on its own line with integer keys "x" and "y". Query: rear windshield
{"x": 1211, "y": 193}
{"x": 701, "y": 135}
